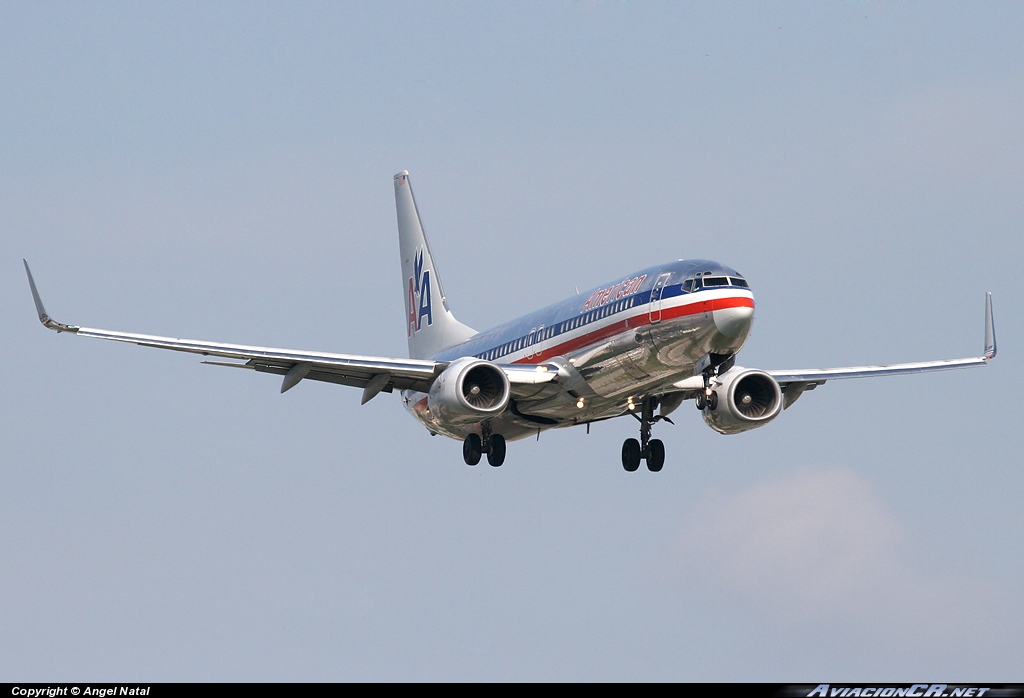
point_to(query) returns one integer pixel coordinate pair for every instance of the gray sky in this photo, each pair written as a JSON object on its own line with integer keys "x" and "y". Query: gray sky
{"x": 223, "y": 172}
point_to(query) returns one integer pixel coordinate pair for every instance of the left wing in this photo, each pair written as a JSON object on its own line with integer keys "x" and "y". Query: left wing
{"x": 373, "y": 374}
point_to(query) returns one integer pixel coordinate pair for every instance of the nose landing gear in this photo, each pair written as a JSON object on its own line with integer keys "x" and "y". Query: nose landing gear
{"x": 651, "y": 450}
{"x": 709, "y": 398}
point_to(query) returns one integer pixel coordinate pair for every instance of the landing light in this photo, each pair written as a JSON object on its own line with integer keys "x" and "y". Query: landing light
{"x": 580, "y": 403}
{"x": 629, "y": 404}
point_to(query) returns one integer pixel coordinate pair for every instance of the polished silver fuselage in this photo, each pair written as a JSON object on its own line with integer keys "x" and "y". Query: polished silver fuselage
{"x": 621, "y": 343}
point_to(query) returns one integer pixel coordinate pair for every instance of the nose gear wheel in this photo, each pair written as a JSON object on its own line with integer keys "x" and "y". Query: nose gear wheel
{"x": 708, "y": 398}
{"x": 707, "y": 401}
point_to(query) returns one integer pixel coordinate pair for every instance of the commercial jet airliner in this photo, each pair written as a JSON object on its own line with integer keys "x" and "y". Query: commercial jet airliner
{"x": 640, "y": 345}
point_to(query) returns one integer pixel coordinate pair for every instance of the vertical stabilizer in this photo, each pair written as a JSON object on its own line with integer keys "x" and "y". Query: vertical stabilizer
{"x": 429, "y": 323}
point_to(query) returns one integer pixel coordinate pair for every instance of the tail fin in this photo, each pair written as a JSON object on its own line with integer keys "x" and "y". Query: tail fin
{"x": 429, "y": 323}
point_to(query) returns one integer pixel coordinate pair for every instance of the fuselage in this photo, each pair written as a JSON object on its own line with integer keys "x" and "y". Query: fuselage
{"x": 628, "y": 339}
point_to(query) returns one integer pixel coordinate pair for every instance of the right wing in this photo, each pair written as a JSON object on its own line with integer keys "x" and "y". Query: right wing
{"x": 794, "y": 382}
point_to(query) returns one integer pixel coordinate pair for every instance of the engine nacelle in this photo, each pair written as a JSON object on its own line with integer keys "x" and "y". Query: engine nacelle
{"x": 747, "y": 399}
{"x": 469, "y": 390}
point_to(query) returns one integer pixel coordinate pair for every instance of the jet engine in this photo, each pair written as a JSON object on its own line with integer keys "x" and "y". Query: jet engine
{"x": 747, "y": 399}
{"x": 469, "y": 390}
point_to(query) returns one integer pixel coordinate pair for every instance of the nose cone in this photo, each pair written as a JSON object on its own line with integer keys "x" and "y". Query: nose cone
{"x": 734, "y": 323}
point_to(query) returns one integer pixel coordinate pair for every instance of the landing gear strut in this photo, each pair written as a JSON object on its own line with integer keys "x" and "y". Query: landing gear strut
{"x": 709, "y": 398}
{"x": 476, "y": 445}
{"x": 651, "y": 450}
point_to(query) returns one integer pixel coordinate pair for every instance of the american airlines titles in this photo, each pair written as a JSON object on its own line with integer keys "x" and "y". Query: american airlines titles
{"x": 614, "y": 292}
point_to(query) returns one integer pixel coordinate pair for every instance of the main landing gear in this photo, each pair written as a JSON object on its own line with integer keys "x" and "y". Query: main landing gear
{"x": 476, "y": 445}
{"x": 651, "y": 450}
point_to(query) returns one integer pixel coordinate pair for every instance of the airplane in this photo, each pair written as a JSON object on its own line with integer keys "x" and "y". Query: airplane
{"x": 645, "y": 342}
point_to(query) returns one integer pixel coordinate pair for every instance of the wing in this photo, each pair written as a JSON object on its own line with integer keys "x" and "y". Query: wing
{"x": 373, "y": 374}
{"x": 796, "y": 381}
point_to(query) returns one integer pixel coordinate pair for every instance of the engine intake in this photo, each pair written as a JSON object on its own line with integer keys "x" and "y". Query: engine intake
{"x": 469, "y": 390}
{"x": 747, "y": 399}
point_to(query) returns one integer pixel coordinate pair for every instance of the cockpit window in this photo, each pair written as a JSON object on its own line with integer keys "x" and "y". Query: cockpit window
{"x": 736, "y": 281}
{"x": 688, "y": 286}
{"x": 715, "y": 281}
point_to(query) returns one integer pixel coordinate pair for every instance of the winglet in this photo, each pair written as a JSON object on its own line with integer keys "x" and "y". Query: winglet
{"x": 990, "y": 329}
{"x": 43, "y": 317}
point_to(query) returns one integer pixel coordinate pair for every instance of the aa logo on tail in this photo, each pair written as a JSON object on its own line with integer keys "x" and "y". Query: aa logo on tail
{"x": 418, "y": 303}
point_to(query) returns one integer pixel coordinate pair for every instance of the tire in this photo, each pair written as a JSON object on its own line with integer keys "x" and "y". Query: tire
{"x": 496, "y": 455}
{"x": 713, "y": 402}
{"x": 655, "y": 455}
{"x": 701, "y": 401}
{"x": 471, "y": 450}
{"x": 630, "y": 455}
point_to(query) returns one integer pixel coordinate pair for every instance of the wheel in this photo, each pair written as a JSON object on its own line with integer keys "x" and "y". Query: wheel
{"x": 713, "y": 401}
{"x": 496, "y": 454}
{"x": 701, "y": 401}
{"x": 471, "y": 450}
{"x": 630, "y": 455}
{"x": 655, "y": 455}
